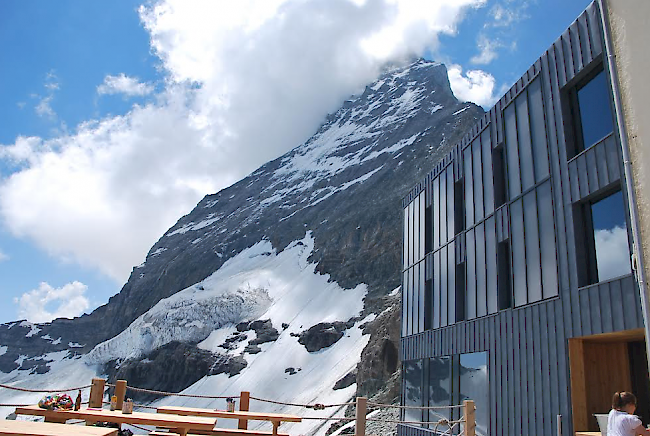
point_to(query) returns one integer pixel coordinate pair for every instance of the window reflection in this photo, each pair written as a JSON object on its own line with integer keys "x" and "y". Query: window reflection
{"x": 610, "y": 237}
{"x": 439, "y": 387}
{"x": 595, "y": 111}
{"x": 413, "y": 389}
{"x": 474, "y": 385}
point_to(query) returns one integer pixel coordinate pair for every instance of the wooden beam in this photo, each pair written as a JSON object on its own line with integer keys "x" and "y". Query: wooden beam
{"x": 244, "y": 404}
{"x": 578, "y": 385}
{"x": 96, "y": 393}
{"x": 360, "y": 427}
{"x": 120, "y": 393}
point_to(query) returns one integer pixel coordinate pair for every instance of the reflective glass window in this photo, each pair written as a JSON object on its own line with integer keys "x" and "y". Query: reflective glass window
{"x": 450, "y": 203}
{"x": 406, "y": 238}
{"x": 404, "y": 302}
{"x": 442, "y": 274}
{"x": 443, "y": 208}
{"x": 595, "y": 110}
{"x": 451, "y": 283}
{"x": 474, "y": 385}
{"x": 610, "y": 237}
{"x": 421, "y": 292}
{"x": 413, "y": 389}
{"x": 439, "y": 387}
{"x": 422, "y": 224}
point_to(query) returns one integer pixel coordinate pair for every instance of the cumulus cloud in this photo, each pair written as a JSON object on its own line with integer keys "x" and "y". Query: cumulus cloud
{"x": 44, "y": 106}
{"x": 509, "y": 13}
{"x": 612, "y": 252}
{"x": 46, "y": 303}
{"x": 245, "y": 82}
{"x": 122, "y": 84}
{"x": 3, "y": 256}
{"x": 476, "y": 86}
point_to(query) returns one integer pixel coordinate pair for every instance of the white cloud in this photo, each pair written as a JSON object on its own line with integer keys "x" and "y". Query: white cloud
{"x": 44, "y": 107}
{"x": 246, "y": 81}
{"x": 122, "y": 84}
{"x": 3, "y": 256}
{"x": 47, "y": 303}
{"x": 505, "y": 15}
{"x": 476, "y": 86}
{"x": 612, "y": 252}
{"x": 487, "y": 50}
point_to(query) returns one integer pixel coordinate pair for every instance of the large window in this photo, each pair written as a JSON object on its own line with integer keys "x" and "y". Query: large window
{"x": 591, "y": 118}
{"x": 447, "y": 381}
{"x": 602, "y": 239}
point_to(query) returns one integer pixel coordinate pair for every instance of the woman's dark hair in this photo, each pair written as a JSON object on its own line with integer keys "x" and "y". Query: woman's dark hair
{"x": 622, "y": 399}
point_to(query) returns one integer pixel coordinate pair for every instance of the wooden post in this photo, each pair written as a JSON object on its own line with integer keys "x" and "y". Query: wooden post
{"x": 120, "y": 393}
{"x": 360, "y": 426}
{"x": 244, "y": 404}
{"x": 96, "y": 393}
{"x": 469, "y": 409}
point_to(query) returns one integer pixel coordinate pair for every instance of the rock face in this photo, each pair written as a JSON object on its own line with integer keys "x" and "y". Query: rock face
{"x": 380, "y": 359}
{"x": 344, "y": 186}
{"x": 171, "y": 368}
{"x": 323, "y": 335}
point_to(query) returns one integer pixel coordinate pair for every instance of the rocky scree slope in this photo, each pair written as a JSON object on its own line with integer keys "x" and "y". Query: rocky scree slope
{"x": 343, "y": 185}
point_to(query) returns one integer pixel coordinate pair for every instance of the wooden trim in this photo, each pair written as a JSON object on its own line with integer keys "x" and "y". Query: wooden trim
{"x": 578, "y": 384}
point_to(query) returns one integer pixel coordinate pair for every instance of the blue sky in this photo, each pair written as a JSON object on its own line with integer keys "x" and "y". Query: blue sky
{"x": 117, "y": 119}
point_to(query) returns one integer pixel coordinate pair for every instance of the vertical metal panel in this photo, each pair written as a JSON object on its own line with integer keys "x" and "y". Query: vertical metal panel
{"x": 416, "y": 230}
{"x": 595, "y": 309}
{"x": 444, "y": 292}
{"x": 526, "y": 167}
{"x": 533, "y": 266}
{"x": 469, "y": 188}
{"x": 480, "y": 267}
{"x": 451, "y": 283}
{"x": 477, "y": 179}
{"x": 488, "y": 180}
{"x": 561, "y": 181}
{"x": 583, "y": 179}
{"x": 592, "y": 170}
{"x": 518, "y": 253}
{"x": 545, "y": 368}
{"x": 422, "y": 226}
{"x": 470, "y": 275}
{"x": 450, "y": 203}
{"x": 601, "y": 161}
{"x": 595, "y": 34}
{"x": 436, "y": 213}
{"x": 405, "y": 239}
{"x": 532, "y": 383}
{"x": 585, "y": 315}
{"x": 512, "y": 152}
{"x": 538, "y": 130}
{"x": 516, "y": 374}
{"x": 547, "y": 241}
{"x": 491, "y": 269}
{"x": 404, "y": 302}
{"x": 576, "y": 49}
{"x": 437, "y": 304}
{"x": 567, "y": 54}
{"x": 613, "y": 159}
{"x": 494, "y": 372}
{"x": 631, "y": 303}
{"x": 442, "y": 206}
{"x": 410, "y": 234}
{"x": 606, "y": 308}
{"x": 421, "y": 291}
{"x": 585, "y": 39}
{"x": 557, "y": 52}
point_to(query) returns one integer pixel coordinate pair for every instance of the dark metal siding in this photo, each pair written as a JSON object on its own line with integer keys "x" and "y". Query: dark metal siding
{"x": 529, "y": 378}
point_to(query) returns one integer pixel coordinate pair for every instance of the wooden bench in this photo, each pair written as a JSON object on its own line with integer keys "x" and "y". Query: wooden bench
{"x": 30, "y": 428}
{"x": 222, "y": 432}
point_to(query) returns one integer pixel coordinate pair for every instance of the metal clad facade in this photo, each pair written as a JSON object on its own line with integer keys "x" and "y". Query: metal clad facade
{"x": 526, "y": 343}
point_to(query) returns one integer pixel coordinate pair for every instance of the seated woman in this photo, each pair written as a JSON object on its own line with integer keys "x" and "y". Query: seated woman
{"x": 621, "y": 420}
